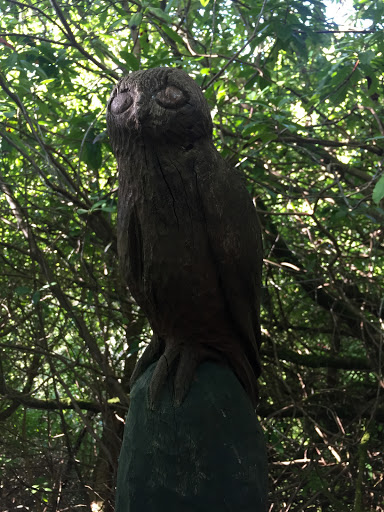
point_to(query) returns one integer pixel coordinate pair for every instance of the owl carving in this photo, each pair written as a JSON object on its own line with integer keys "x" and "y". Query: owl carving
{"x": 189, "y": 239}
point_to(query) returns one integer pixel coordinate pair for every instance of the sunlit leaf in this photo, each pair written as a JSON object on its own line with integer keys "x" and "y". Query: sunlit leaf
{"x": 378, "y": 191}
{"x": 160, "y": 14}
{"x": 135, "y": 20}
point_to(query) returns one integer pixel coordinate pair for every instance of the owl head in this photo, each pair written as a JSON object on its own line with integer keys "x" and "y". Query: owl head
{"x": 160, "y": 105}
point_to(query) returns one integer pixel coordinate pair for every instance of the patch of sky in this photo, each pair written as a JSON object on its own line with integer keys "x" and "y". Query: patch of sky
{"x": 343, "y": 13}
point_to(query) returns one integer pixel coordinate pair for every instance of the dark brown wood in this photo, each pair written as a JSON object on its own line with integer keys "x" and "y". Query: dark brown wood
{"x": 189, "y": 239}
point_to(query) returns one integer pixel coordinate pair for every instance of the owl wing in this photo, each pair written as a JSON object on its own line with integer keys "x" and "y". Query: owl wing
{"x": 234, "y": 234}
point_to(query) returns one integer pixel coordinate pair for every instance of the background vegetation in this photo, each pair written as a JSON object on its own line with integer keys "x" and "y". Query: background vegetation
{"x": 298, "y": 104}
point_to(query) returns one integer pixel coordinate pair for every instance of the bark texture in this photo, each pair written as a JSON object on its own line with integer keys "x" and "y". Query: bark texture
{"x": 189, "y": 239}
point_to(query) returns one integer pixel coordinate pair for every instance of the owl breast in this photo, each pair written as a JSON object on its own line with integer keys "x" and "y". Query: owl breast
{"x": 165, "y": 249}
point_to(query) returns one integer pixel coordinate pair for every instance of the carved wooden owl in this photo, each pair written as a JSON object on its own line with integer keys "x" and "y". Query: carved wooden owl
{"x": 189, "y": 239}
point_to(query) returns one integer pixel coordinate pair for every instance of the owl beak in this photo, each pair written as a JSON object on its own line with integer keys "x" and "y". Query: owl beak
{"x": 141, "y": 110}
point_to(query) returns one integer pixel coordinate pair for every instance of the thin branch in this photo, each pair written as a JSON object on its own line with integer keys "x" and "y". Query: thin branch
{"x": 51, "y": 279}
{"x": 78, "y": 46}
{"x": 347, "y": 31}
{"x": 351, "y": 363}
{"x": 247, "y": 42}
{"x": 331, "y": 143}
{"x": 38, "y": 38}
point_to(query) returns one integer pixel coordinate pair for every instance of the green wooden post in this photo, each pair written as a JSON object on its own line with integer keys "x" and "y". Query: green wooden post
{"x": 206, "y": 455}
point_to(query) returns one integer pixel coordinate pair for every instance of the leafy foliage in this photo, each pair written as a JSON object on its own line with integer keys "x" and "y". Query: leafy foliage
{"x": 298, "y": 104}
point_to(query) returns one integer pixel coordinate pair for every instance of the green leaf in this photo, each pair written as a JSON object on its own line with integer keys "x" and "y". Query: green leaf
{"x": 10, "y": 114}
{"x": 98, "y": 205}
{"x": 159, "y": 13}
{"x": 23, "y": 290}
{"x": 10, "y": 61}
{"x": 92, "y": 154}
{"x": 135, "y": 21}
{"x": 36, "y": 297}
{"x": 117, "y": 23}
{"x": 172, "y": 34}
{"x": 130, "y": 59}
{"x": 379, "y": 137}
{"x": 109, "y": 209}
{"x": 204, "y": 3}
{"x": 47, "y": 81}
{"x": 378, "y": 191}
{"x": 6, "y": 147}
{"x": 366, "y": 57}
{"x": 284, "y": 32}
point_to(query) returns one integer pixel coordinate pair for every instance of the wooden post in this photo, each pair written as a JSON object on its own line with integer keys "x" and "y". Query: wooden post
{"x": 207, "y": 455}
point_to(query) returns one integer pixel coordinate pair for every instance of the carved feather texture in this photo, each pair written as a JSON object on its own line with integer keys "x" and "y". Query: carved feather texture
{"x": 189, "y": 239}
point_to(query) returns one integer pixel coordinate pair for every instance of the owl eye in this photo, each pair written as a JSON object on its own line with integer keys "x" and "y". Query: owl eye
{"x": 121, "y": 103}
{"x": 171, "y": 97}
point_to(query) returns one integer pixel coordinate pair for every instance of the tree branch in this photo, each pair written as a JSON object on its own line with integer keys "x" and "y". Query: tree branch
{"x": 321, "y": 360}
{"x": 76, "y": 45}
{"x": 62, "y": 298}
